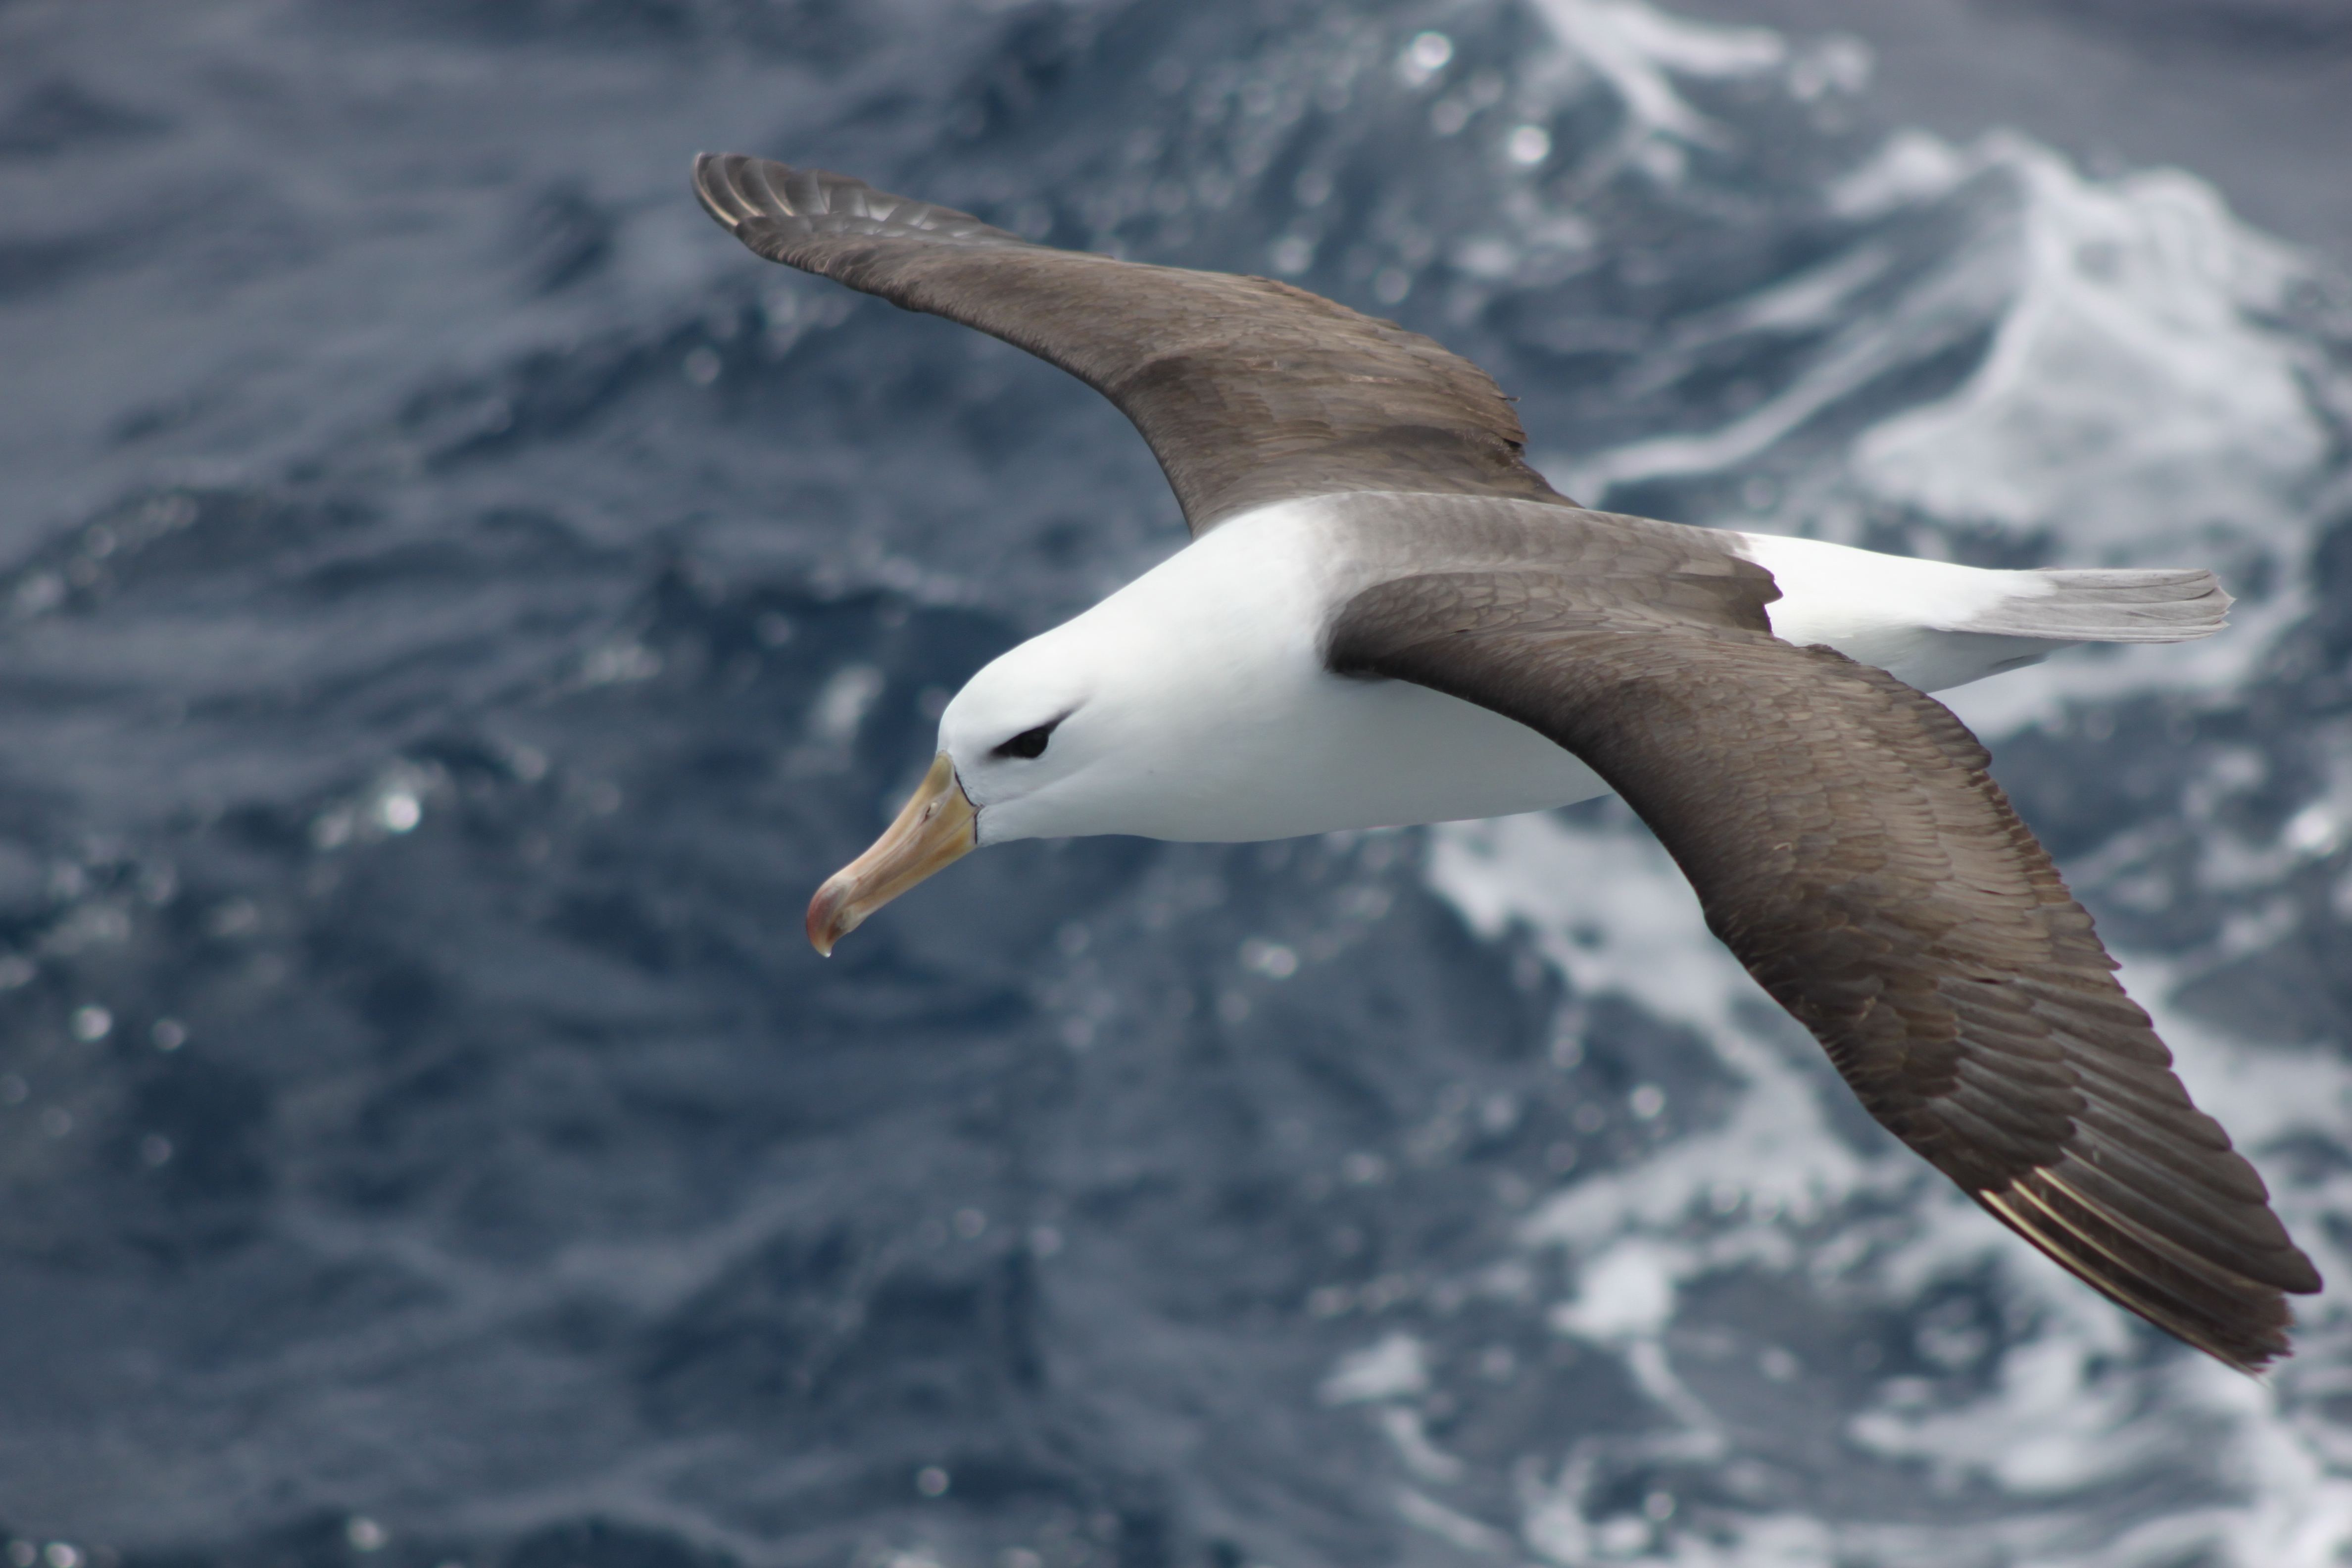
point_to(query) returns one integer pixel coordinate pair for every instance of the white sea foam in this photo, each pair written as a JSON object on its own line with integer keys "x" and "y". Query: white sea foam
{"x": 1639, "y": 50}
{"x": 2136, "y": 396}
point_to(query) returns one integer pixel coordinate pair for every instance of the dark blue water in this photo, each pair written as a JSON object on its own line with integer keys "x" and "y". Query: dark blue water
{"x": 456, "y": 605}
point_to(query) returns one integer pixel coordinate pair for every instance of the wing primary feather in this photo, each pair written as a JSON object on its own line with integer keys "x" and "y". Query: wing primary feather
{"x": 2159, "y": 1204}
{"x": 2247, "y": 1334}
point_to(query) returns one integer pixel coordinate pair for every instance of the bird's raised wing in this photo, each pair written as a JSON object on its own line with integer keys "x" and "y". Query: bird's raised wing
{"x": 1848, "y": 846}
{"x": 1249, "y": 390}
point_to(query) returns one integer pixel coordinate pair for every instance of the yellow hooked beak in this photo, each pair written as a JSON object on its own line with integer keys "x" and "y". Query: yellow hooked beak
{"x": 939, "y": 824}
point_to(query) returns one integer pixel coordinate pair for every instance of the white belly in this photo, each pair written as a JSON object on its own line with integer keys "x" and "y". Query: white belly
{"x": 1366, "y": 753}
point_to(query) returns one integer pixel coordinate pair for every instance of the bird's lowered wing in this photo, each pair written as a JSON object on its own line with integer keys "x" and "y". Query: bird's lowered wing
{"x": 1848, "y": 846}
{"x": 1248, "y": 391}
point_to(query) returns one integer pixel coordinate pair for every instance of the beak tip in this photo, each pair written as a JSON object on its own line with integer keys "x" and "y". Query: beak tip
{"x": 826, "y": 924}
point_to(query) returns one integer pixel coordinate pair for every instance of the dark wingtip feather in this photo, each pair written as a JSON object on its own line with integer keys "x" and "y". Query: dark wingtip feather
{"x": 2240, "y": 1321}
{"x": 707, "y": 174}
{"x": 757, "y": 197}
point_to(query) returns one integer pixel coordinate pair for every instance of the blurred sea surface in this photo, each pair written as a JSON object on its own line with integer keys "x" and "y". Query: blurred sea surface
{"x": 455, "y": 605}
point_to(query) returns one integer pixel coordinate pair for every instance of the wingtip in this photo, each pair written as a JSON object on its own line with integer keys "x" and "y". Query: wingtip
{"x": 735, "y": 189}
{"x": 2238, "y": 1321}
{"x": 710, "y": 184}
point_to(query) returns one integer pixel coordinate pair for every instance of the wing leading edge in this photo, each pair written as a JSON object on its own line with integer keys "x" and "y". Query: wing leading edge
{"x": 1249, "y": 390}
{"x": 1848, "y": 846}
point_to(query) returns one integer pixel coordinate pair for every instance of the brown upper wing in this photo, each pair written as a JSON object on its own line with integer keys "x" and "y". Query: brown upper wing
{"x": 1848, "y": 846}
{"x": 1249, "y": 390}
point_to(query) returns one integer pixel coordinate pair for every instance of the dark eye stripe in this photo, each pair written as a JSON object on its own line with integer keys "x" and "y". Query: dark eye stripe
{"x": 1029, "y": 743}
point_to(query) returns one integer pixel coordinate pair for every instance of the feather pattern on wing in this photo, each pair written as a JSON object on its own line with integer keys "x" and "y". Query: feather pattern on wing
{"x": 1248, "y": 391}
{"x": 1849, "y": 846}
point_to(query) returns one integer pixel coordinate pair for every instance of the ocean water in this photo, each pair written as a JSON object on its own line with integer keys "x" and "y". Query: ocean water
{"x": 455, "y": 605}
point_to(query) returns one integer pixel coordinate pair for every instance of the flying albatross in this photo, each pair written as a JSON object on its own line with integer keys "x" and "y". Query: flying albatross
{"x": 1386, "y": 616}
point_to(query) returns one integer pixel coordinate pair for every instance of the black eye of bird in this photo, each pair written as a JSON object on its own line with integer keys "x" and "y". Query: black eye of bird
{"x": 1029, "y": 743}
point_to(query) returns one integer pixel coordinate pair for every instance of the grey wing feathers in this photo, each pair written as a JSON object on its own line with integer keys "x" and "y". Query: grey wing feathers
{"x": 772, "y": 208}
{"x": 1248, "y": 391}
{"x": 2121, "y": 606}
{"x": 1848, "y": 846}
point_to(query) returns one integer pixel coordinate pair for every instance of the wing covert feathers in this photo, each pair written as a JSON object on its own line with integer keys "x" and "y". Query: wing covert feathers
{"x": 1248, "y": 391}
{"x": 1847, "y": 844}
